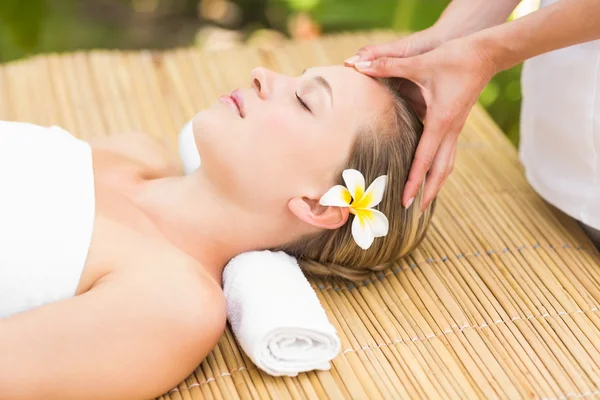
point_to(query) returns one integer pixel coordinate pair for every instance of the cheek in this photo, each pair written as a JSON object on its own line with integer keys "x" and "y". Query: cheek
{"x": 279, "y": 124}
{"x": 285, "y": 142}
{"x": 275, "y": 150}
{"x": 263, "y": 160}
{"x": 253, "y": 160}
{"x": 275, "y": 147}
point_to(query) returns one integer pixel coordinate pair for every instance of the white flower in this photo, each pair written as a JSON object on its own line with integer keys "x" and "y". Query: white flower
{"x": 368, "y": 223}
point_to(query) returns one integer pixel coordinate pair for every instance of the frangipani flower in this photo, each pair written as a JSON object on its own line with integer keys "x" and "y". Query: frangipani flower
{"x": 368, "y": 223}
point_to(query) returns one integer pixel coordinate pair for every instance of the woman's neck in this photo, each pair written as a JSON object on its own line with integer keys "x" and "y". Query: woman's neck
{"x": 199, "y": 222}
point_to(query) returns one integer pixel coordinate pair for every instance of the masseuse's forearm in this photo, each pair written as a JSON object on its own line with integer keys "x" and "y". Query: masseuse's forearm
{"x": 464, "y": 17}
{"x": 563, "y": 24}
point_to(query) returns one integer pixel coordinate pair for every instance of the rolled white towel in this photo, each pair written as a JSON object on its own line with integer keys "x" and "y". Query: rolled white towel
{"x": 276, "y": 315}
{"x": 188, "y": 152}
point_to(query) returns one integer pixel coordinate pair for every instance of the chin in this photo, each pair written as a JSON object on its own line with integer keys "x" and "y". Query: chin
{"x": 212, "y": 143}
{"x": 206, "y": 126}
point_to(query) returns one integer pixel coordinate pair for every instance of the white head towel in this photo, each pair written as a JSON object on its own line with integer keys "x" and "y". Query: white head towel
{"x": 188, "y": 152}
{"x": 276, "y": 315}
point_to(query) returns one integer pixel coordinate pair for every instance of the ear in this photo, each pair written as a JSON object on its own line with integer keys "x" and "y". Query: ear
{"x": 313, "y": 213}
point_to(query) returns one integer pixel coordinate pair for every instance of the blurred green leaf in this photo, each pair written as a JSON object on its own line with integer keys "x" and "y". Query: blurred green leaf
{"x": 513, "y": 90}
{"x": 489, "y": 94}
{"x": 354, "y": 14}
{"x": 403, "y": 14}
{"x": 302, "y": 5}
{"x": 426, "y": 13}
{"x": 24, "y": 20}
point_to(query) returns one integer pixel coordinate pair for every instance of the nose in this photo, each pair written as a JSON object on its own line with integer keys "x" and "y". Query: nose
{"x": 262, "y": 80}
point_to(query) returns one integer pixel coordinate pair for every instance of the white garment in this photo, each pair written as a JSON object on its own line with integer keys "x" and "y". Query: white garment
{"x": 560, "y": 128}
{"x": 47, "y": 208}
{"x": 276, "y": 315}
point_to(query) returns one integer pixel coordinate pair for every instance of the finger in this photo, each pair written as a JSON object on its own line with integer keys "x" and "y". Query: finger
{"x": 440, "y": 170}
{"x": 424, "y": 157}
{"x": 373, "y": 51}
{"x": 451, "y": 163}
{"x": 452, "y": 158}
{"x": 409, "y": 46}
{"x": 389, "y": 67}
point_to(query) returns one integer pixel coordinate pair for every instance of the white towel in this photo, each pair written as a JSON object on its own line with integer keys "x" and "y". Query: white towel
{"x": 188, "y": 152}
{"x": 276, "y": 315}
{"x": 47, "y": 215}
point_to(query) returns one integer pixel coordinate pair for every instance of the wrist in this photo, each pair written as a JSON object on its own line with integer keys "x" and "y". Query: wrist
{"x": 489, "y": 57}
{"x": 498, "y": 51}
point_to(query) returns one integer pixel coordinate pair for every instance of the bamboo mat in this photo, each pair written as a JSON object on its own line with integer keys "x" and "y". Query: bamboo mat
{"x": 500, "y": 301}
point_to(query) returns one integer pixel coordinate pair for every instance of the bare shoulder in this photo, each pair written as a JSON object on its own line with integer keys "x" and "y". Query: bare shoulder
{"x": 192, "y": 303}
{"x": 141, "y": 148}
{"x": 176, "y": 289}
{"x": 138, "y": 335}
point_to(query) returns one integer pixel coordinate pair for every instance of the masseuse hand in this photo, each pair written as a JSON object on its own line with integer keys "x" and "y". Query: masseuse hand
{"x": 449, "y": 76}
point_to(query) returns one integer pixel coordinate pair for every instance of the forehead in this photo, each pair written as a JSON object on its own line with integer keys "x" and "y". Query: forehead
{"x": 355, "y": 96}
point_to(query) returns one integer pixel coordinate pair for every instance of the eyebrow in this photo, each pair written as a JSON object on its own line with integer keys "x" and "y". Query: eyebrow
{"x": 323, "y": 82}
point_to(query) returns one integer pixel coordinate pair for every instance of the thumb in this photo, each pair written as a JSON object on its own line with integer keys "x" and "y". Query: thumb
{"x": 385, "y": 67}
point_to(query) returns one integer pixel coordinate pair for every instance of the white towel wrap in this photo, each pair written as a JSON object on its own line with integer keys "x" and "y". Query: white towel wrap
{"x": 276, "y": 315}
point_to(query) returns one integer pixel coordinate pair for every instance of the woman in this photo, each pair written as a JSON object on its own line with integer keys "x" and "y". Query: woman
{"x": 148, "y": 306}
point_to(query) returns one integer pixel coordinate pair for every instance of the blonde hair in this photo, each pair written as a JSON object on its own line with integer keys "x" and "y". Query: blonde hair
{"x": 383, "y": 148}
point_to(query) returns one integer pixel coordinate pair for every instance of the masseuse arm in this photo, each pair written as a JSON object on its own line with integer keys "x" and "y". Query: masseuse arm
{"x": 563, "y": 24}
{"x": 460, "y": 18}
{"x": 132, "y": 338}
{"x": 452, "y": 76}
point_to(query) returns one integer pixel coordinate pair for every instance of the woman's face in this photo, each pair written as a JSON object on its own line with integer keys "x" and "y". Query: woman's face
{"x": 285, "y": 137}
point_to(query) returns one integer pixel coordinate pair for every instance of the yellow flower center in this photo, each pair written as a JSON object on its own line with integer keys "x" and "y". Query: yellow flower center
{"x": 362, "y": 202}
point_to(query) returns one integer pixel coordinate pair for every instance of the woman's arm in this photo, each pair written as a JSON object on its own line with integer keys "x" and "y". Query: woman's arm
{"x": 124, "y": 339}
{"x": 562, "y": 24}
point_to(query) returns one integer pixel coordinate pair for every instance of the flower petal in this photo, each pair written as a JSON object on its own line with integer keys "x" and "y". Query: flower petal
{"x": 337, "y": 196}
{"x": 374, "y": 193}
{"x": 362, "y": 232}
{"x": 379, "y": 222}
{"x": 355, "y": 182}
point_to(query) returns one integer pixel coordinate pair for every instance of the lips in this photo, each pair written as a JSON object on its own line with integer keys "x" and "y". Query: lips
{"x": 235, "y": 102}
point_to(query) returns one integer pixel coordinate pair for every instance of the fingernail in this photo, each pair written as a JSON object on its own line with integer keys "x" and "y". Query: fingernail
{"x": 362, "y": 64}
{"x": 352, "y": 60}
{"x": 409, "y": 202}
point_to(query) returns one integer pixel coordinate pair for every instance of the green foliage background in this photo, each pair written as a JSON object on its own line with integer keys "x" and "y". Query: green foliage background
{"x": 35, "y": 26}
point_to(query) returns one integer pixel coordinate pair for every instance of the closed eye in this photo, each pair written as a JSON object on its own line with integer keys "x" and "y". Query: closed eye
{"x": 302, "y": 103}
